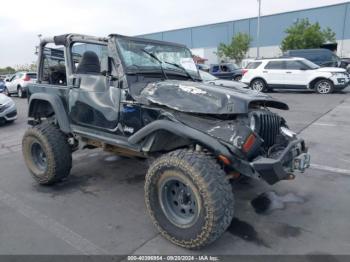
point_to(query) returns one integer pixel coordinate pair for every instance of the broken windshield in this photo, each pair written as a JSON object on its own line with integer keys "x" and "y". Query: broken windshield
{"x": 136, "y": 59}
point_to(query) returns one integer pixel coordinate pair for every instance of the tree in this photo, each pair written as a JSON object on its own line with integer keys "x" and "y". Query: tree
{"x": 7, "y": 70}
{"x": 236, "y": 49}
{"x": 26, "y": 67}
{"x": 302, "y": 35}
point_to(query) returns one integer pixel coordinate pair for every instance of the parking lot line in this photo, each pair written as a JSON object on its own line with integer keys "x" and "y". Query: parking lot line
{"x": 62, "y": 232}
{"x": 331, "y": 169}
{"x": 325, "y": 124}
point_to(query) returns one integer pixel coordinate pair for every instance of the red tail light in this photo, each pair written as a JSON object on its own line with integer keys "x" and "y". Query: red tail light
{"x": 26, "y": 78}
{"x": 244, "y": 71}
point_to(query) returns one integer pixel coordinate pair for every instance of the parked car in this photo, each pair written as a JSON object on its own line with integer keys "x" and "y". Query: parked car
{"x": 7, "y": 78}
{"x": 203, "y": 67}
{"x": 19, "y": 82}
{"x": 2, "y": 86}
{"x": 132, "y": 101}
{"x": 210, "y": 79}
{"x": 346, "y": 63}
{"x": 226, "y": 71}
{"x": 294, "y": 73}
{"x": 8, "y": 110}
{"x": 320, "y": 56}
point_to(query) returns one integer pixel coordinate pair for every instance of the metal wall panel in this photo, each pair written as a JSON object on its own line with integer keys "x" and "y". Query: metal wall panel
{"x": 210, "y": 35}
{"x": 347, "y": 23}
{"x": 241, "y": 26}
{"x": 154, "y": 36}
{"x": 182, "y": 36}
{"x": 272, "y": 29}
{"x": 331, "y": 16}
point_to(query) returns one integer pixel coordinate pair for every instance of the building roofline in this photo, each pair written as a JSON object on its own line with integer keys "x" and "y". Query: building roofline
{"x": 242, "y": 19}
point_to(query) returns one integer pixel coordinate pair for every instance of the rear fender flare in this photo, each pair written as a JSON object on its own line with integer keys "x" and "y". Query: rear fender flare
{"x": 57, "y": 106}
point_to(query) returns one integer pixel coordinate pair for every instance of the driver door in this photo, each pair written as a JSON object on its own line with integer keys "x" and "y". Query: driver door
{"x": 93, "y": 100}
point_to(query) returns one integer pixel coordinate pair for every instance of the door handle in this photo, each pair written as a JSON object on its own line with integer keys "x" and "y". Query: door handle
{"x": 288, "y": 72}
{"x": 76, "y": 82}
{"x": 265, "y": 72}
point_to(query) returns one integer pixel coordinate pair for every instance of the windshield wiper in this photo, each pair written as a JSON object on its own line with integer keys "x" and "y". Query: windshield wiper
{"x": 157, "y": 59}
{"x": 183, "y": 69}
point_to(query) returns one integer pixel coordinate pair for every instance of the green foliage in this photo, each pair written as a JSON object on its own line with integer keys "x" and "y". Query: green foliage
{"x": 32, "y": 67}
{"x": 236, "y": 49}
{"x": 302, "y": 35}
{"x": 27, "y": 67}
{"x": 7, "y": 70}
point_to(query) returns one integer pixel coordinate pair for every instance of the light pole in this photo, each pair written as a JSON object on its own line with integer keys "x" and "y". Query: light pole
{"x": 37, "y": 47}
{"x": 258, "y": 32}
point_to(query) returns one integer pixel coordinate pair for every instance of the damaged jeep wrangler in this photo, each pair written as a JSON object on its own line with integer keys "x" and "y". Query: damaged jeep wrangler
{"x": 144, "y": 98}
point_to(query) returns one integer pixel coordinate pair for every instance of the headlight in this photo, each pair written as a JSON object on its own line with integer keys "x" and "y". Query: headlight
{"x": 338, "y": 74}
{"x": 4, "y": 107}
{"x": 252, "y": 123}
{"x": 8, "y": 104}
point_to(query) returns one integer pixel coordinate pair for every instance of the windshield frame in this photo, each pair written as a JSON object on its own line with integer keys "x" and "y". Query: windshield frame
{"x": 175, "y": 71}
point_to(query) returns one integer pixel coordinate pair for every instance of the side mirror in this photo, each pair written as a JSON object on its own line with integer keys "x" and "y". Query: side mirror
{"x": 7, "y": 80}
{"x": 303, "y": 68}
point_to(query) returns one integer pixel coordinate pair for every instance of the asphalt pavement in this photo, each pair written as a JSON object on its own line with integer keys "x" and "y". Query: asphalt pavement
{"x": 100, "y": 208}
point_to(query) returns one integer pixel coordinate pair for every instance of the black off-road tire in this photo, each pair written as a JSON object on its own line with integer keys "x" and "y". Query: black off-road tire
{"x": 237, "y": 78}
{"x": 203, "y": 175}
{"x": 57, "y": 152}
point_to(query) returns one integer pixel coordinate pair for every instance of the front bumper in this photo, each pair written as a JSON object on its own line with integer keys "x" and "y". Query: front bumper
{"x": 293, "y": 158}
{"x": 340, "y": 82}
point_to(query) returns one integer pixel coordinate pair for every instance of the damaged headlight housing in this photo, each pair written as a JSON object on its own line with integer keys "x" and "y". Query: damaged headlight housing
{"x": 252, "y": 123}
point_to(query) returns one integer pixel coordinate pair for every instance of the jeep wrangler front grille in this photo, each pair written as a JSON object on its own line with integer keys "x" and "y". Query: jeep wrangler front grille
{"x": 268, "y": 128}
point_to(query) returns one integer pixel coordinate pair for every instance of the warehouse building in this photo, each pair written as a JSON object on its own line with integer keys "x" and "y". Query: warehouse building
{"x": 204, "y": 40}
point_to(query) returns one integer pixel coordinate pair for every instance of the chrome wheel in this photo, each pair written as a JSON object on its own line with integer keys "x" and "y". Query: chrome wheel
{"x": 258, "y": 85}
{"x": 324, "y": 87}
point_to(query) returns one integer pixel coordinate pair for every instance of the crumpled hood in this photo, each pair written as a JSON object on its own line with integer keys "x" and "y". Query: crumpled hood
{"x": 198, "y": 97}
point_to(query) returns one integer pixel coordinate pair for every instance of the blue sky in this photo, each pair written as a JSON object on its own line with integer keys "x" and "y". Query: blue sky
{"x": 22, "y": 21}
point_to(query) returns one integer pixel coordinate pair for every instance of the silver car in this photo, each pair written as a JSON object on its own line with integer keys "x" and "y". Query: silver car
{"x": 8, "y": 110}
{"x": 19, "y": 82}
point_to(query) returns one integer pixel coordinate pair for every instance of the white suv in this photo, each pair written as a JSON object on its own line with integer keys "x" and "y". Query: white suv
{"x": 294, "y": 73}
{"x": 18, "y": 83}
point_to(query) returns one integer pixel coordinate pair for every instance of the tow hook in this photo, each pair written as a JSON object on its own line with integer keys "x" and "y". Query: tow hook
{"x": 302, "y": 162}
